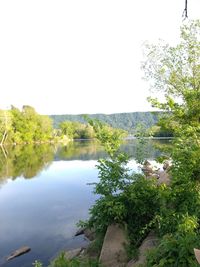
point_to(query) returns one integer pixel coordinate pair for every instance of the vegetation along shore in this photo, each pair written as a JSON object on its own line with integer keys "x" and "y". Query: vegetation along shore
{"x": 141, "y": 205}
{"x": 155, "y": 210}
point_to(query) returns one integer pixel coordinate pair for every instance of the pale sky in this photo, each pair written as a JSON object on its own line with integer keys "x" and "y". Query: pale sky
{"x": 82, "y": 56}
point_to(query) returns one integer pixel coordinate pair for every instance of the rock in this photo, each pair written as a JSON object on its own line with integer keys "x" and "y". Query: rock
{"x": 166, "y": 165}
{"x": 80, "y": 231}
{"x": 147, "y": 168}
{"x": 83, "y": 251}
{"x": 89, "y": 233}
{"x": 147, "y": 163}
{"x": 18, "y": 252}
{"x": 113, "y": 253}
{"x": 197, "y": 254}
{"x": 148, "y": 171}
{"x": 164, "y": 177}
{"x": 154, "y": 175}
{"x": 149, "y": 242}
{"x": 73, "y": 253}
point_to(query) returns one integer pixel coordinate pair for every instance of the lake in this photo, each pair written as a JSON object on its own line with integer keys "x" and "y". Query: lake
{"x": 44, "y": 192}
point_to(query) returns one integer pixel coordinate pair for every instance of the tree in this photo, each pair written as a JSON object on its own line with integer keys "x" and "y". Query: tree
{"x": 44, "y": 128}
{"x": 176, "y": 72}
{"x": 5, "y": 125}
{"x": 28, "y": 126}
{"x": 67, "y": 128}
{"x": 76, "y": 130}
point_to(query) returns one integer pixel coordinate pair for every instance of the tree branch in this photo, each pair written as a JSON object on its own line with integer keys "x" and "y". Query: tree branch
{"x": 185, "y": 11}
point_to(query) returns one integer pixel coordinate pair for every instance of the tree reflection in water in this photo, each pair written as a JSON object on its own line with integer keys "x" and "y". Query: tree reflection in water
{"x": 26, "y": 161}
{"x": 29, "y": 160}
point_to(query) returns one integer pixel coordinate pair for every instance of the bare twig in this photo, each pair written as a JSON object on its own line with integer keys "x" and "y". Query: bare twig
{"x": 185, "y": 11}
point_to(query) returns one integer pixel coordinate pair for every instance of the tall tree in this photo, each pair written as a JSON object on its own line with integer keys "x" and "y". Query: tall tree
{"x": 28, "y": 126}
{"x": 5, "y": 125}
{"x": 176, "y": 72}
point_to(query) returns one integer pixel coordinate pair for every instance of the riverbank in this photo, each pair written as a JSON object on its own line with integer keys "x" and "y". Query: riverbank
{"x": 116, "y": 242}
{"x": 52, "y": 182}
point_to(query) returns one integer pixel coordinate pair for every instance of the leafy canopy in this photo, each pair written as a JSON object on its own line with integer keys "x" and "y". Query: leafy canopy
{"x": 175, "y": 70}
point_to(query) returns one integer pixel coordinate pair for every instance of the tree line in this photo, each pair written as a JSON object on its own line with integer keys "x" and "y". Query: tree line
{"x": 27, "y": 126}
{"x": 125, "y": 121}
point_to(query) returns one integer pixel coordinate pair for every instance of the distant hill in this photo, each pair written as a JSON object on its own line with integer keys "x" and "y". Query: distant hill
{"x": 126, "y": 121}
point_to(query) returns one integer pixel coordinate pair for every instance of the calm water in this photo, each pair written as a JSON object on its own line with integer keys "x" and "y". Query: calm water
{"x": 44, "y": 193}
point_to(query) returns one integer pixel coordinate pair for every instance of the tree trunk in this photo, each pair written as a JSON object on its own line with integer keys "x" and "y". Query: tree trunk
{"x": 3, "y": 138}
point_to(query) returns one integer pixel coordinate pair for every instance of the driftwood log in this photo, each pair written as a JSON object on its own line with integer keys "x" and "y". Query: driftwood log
{"x": 18, "y": 252}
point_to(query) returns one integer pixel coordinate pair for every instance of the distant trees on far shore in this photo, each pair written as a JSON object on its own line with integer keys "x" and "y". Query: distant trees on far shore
{"x": 24, "y": 126}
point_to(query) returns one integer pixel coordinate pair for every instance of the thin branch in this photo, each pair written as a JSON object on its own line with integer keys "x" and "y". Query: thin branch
{"x": 185, "y": 11}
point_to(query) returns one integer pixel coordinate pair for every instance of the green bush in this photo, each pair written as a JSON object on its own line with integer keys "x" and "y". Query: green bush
{"x": 107, "y": 210}
{"x": 142, "y": 202}
{"x": 61, "y": 261}
{"x": 175, "y": 250}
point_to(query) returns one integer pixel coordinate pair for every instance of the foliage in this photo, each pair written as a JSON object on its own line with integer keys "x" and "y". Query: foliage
{"x": 25, "y": 126}
{"x": 28, "y": 126}
{"x": 125, "y": 197}
{"x": 37, "y": 264}
{"x": 141, "y": 148}
{"x": 94, "y": 249}
{"x": 172, "y": 211}
{"x": 76, "y": 130}
{"x": 110, "y": 138}
{"x": 113, "y": 174}
{"x": 176, "y": 71}
{"x": 160, "y": 130}
{"x": 142, "y": 201}
{"x": 175, "y": 250}
{"x": 106, "y": 211}
{"x": 62, "y": 261}
{"x": 125, "y": 121}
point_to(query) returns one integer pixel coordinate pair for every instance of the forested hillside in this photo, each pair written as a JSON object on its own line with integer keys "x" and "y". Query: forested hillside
{"x": 27, "y": 126}
{"x": 126, "y": 121}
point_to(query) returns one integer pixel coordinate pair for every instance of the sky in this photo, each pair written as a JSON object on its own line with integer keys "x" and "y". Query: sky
{"x": 82, "y": 56}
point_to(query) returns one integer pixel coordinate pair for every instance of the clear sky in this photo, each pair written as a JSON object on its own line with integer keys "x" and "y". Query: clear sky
{"x": 81, "y": 56}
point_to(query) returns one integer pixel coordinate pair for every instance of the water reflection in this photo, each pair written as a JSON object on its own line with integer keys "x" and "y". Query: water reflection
{"x": 150, "y": 149}
{"x": 80, "y": 150}
{"x": 28, "y": 161}
{"x": 42, "y": 213}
